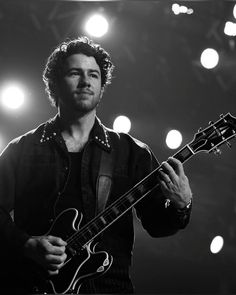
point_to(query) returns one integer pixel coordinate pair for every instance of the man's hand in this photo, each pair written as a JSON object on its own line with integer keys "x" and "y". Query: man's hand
{"x": 47, "y": 251}
{"x": 174, "y": 183}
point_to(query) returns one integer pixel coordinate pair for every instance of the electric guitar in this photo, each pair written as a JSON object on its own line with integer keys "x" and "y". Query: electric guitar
{"x": 83, "y": 261}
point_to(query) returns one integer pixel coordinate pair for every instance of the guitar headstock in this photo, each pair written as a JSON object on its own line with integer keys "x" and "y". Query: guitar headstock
{"x": 216, "y": 134}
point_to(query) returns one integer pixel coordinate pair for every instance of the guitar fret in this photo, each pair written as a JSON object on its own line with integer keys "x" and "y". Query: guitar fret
{"x": 89, "y": 231}
{"x": 99, "y": 223}
{"x": 115, "y": 210}
{"x": 109, "y": 217}
{"x": 104, "y": 222}
{"x": 87, "y": 235}
{"x": 131, "y": 198}
{"x": 95, "y": 227}
{"x": 127, "y": 201}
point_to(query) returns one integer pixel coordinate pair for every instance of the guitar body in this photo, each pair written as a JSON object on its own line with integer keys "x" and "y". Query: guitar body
{"x": 81, "y": 263}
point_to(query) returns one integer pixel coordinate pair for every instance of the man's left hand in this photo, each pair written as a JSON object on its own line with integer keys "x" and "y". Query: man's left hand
{"x": 174, "y": 183}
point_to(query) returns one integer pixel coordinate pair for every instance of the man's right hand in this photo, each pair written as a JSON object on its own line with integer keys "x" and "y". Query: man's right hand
{"x": 47, "y": 251}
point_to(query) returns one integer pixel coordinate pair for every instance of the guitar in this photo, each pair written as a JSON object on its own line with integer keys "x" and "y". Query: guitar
{"x": 83, "y": 262}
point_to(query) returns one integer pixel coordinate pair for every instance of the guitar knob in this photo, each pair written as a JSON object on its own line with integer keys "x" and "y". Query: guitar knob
{"x": 217, "y": 151}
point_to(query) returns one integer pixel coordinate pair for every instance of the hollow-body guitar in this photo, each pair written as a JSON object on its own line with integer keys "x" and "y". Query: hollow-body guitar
{"x": 83, "y": 261}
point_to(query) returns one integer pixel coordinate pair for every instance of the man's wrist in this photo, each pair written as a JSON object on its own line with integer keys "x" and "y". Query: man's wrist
{"x": 184, "y": 208}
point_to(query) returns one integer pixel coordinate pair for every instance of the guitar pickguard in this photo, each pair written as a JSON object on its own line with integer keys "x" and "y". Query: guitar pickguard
{"x": 81, "y": 263}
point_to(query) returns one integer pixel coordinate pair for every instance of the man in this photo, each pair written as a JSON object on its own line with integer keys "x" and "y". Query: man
{"x": 57, "y": 166}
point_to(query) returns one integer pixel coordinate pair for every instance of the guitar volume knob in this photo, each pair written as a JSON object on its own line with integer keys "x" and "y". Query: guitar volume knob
{"x": 217, "y": 151}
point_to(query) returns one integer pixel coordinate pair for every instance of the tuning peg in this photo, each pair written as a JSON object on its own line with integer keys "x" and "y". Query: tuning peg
{"x": 222, "y": 116}
{"x": 217, "y": 151}
{"x": 210, "y": 123}
{"x": 200, "y": 129}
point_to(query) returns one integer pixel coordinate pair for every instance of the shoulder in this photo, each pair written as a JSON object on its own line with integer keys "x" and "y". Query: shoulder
{"x": 125, "y": 139}
{"x": 31, "y": 136}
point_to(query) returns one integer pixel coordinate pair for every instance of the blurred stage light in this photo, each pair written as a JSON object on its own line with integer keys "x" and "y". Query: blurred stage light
{"x": 234, "y": 11}
{"x": 173, "y": 139}
{"x": 96, "y": 25}
{"x": 122, "y": 124}
{"x": 12, "y": 97}
{"x": 209, "y": 58}
{"x": 177, "y": 9}
{"x": 230, "y": 29}
{"x": 216, "y": 244}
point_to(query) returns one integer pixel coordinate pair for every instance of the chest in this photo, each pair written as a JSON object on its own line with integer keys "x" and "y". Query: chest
{"x": 75, "y": 145}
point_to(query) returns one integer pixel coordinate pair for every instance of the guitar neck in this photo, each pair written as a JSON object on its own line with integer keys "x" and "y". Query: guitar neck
{"x": 114, "y": 211}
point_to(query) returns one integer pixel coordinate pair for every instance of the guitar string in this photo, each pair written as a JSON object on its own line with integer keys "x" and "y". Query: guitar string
{"x": 94, "y": 235}
{"x": 107, "y": 213}
{"x": 118, "y": 203}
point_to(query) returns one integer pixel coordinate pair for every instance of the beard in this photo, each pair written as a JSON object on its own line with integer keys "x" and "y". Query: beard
{"x": 81, "y": 103}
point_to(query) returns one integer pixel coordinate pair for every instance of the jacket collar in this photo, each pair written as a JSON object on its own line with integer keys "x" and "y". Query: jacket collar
{"x": 99, "y": 133}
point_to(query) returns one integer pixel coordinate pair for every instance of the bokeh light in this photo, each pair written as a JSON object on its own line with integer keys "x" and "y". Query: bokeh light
{"x": 209, "y": 58}
{"x": 96, "y": 25}
{"x": 12, "y": 97}
{"x": 122, "y": 124}
{"x": 173, "y": 139}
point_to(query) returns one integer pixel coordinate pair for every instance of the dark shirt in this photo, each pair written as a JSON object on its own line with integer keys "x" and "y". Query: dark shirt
{"x": 35, "y": 170}
{"x": 71, "y": 197}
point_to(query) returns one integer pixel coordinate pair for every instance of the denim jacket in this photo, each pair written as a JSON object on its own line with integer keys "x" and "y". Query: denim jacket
{"x": 34, "y": 171}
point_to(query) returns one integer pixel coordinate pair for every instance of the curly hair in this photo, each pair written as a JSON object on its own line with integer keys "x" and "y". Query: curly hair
{"x": 54, "y": 65}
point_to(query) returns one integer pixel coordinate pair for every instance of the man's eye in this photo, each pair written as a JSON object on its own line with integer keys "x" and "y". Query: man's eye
{"x": 94, "y": 75}
{"x": 73, "y": 73}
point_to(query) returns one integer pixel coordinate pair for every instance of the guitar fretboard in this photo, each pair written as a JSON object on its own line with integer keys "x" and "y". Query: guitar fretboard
{"x": 122, "y": 204}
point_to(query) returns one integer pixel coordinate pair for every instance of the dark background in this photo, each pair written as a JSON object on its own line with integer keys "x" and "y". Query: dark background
{"x": 160, "y": 84}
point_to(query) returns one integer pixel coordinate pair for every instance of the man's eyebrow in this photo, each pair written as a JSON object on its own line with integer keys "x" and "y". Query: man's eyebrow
{"x": 95, "y": 70}
{"x": 80, "y": 69}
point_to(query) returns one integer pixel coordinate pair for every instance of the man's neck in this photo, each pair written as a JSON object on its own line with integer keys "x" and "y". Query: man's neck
{"x": 76, "y": 126}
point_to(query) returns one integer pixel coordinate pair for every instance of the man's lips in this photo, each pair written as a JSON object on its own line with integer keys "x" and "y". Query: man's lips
{"x": 84, "y": 92}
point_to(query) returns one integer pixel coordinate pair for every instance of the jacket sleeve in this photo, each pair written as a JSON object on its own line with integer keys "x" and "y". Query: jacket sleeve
{"x": 11, "y": 236}
{"x": 158, "y": 220}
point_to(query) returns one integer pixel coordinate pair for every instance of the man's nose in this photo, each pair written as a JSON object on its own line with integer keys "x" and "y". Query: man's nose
{"x": 84, "y": 81}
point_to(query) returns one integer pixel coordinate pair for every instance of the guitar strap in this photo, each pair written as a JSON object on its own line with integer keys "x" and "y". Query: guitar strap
{"x": 104, "y": 180}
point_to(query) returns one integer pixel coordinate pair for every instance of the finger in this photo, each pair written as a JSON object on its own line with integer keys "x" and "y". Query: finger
{"x": 57, "y": 250}
{"x": 163, "y": 185}
{"x": 176, "y": 165}
{"x": 163, "y": 176}
{"x": 50, "y": 249}
{"x": 53, "y": 272}
{"x": 168, "y": 169}
{"x": 54, "y": 259}
{"x": 57, "y": 241}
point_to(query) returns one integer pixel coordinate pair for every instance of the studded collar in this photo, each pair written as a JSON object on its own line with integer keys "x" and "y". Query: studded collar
{"x": 99, "y": 133}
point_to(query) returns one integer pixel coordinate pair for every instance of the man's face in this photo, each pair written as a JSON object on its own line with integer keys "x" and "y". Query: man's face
{"x": 80, "y": 86}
